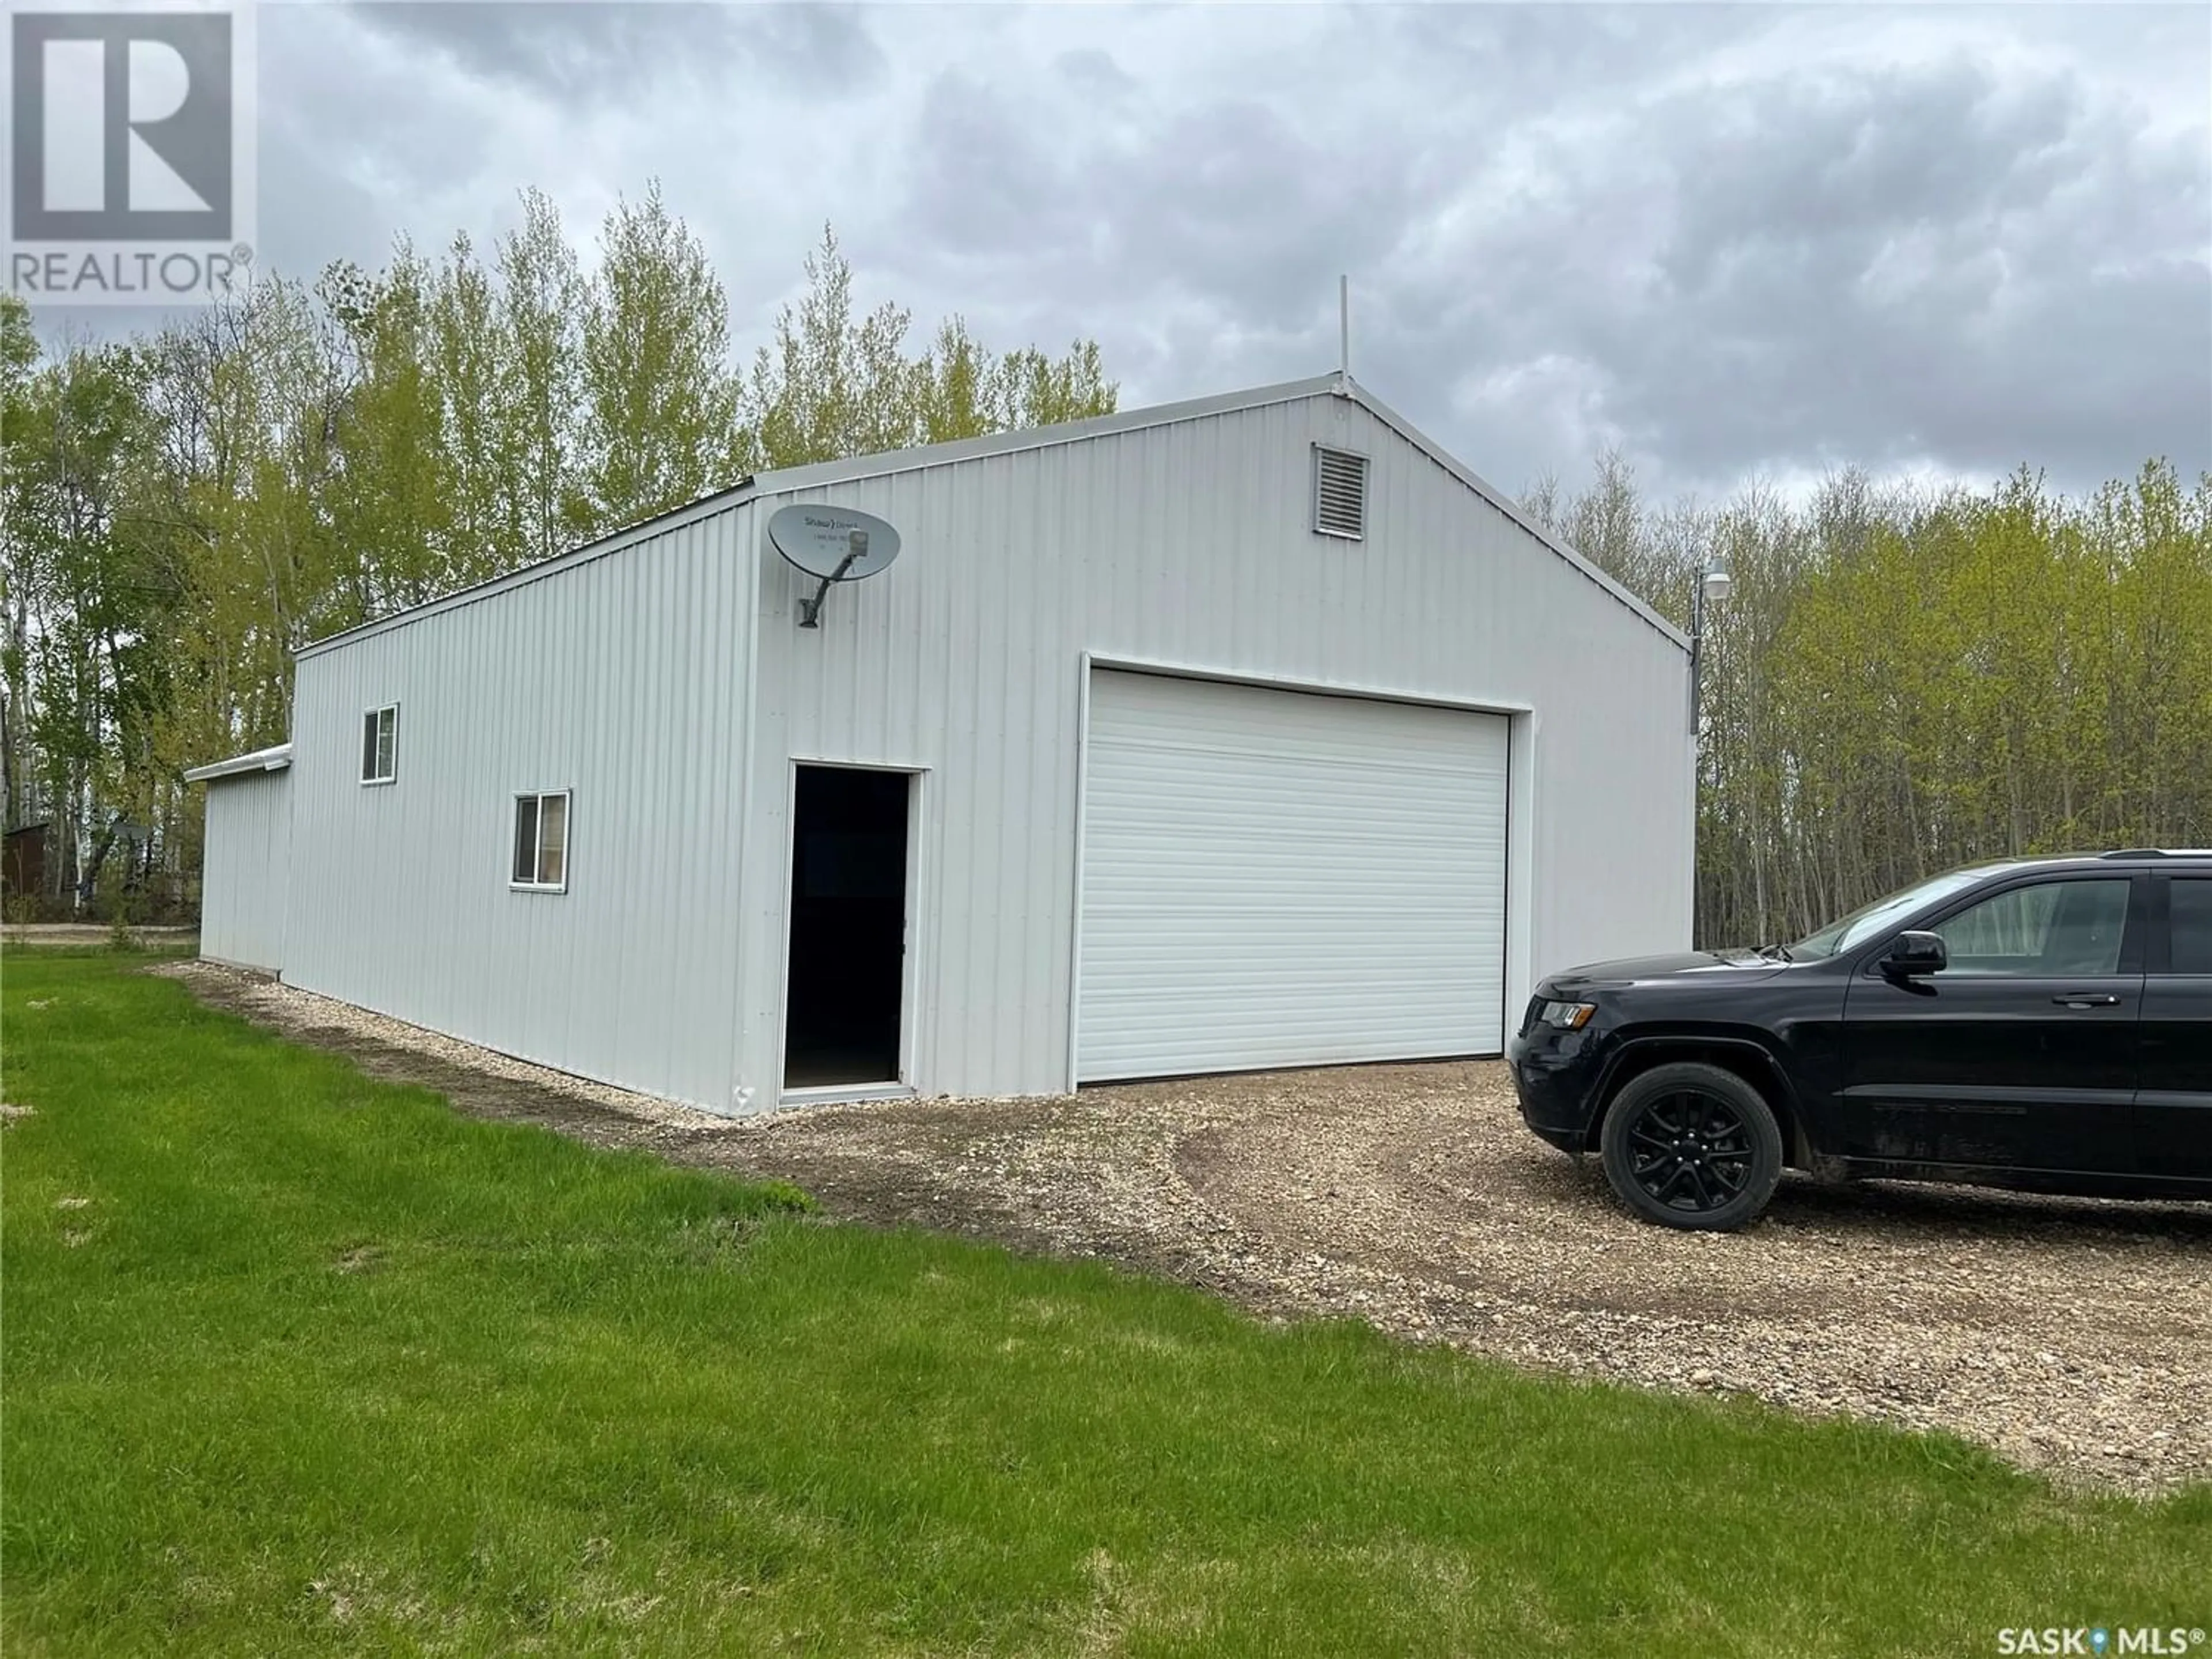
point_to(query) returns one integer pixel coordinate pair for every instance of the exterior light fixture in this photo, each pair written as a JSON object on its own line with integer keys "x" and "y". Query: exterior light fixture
{"x": 1713, "y": 585}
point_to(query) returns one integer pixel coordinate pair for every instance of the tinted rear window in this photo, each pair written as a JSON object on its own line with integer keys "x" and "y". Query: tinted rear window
{"x": 2192, "y": 910}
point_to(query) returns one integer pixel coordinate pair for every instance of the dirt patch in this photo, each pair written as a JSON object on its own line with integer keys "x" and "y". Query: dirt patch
{"x": 361, "y": 1258}
{"x": 2072, "y": 1335}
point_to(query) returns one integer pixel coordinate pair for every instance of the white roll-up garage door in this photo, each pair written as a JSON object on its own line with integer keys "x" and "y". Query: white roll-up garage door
{"x": 1283, "y": 878}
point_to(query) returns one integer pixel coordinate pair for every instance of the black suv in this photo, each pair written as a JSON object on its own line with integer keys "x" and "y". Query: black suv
{"x": 2042, "y": 1024}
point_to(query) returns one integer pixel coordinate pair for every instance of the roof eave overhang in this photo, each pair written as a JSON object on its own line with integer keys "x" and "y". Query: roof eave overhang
{"x": 261, "y": 760}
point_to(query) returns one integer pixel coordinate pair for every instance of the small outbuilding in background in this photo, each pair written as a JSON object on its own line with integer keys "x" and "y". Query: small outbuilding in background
{"x": 23, "y": 861}
{"x": 1248, "y": 733}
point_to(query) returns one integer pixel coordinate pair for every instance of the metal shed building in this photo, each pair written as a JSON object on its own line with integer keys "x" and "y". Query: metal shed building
{"x": 1246, "y": 733}
{"x": 247, "y": 859}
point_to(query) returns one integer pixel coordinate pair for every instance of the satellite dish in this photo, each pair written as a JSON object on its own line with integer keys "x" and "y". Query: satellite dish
{"x": 836, "y": 544}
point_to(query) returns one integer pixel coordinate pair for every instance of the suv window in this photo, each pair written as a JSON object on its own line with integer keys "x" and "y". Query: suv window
{"x": 2189, "y": 906}
{"x": 2056, "y": 928}
{"x": 1864, "y": 923}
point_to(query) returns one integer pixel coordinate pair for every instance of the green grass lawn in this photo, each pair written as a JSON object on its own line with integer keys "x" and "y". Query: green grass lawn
{"x": 299, "y": 1362}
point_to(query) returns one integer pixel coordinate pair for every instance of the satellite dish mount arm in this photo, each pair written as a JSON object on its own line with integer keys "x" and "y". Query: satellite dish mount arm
{"x": 810, "y": 610}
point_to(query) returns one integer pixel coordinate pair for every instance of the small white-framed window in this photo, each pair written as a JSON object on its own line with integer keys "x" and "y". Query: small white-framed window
{"x": 379, "y": 745}
{"x": 541, "y": 842}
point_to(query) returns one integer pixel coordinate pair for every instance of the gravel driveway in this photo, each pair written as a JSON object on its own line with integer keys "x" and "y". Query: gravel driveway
{"x": 2072, "y": 1335}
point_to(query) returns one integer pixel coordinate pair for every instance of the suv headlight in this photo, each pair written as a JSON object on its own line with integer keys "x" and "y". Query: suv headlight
{"x": 1566, "y": 1016}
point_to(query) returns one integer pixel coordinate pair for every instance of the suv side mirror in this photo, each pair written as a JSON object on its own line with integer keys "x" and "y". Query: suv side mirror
{"x": 1914, "y": 954}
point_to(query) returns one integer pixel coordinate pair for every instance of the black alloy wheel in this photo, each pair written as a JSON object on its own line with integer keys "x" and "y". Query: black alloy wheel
{"x": 1690, "y": 1151}
{"x": 1692, "y": 1146}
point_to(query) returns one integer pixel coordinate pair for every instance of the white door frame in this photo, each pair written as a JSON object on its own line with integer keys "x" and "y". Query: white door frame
{"x": 1521, "y": 754}
{"x": 917, "y": 779}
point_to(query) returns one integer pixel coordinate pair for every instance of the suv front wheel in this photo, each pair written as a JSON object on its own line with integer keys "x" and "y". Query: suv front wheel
{"x": 1688, "y": 1145}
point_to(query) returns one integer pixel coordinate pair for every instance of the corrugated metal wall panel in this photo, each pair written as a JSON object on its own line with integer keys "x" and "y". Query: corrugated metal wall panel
{"x": 1274, "y": 878}
{"x": 245, "y": 874}
{"x": 1192, "y": 544}
{"x": 628, "y": 678}
{"x": 624, "y": 680}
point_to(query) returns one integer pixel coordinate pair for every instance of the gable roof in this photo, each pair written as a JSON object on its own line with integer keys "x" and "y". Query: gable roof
{"x": 1511, "y": 509}
{"x": 823, "y": 473}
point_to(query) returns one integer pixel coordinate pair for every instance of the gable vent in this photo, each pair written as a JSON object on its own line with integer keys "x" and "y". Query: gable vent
{"x": 1339, "y": 493}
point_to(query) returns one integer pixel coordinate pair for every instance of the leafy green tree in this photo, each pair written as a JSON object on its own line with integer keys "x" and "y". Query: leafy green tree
{"x": 185, "y": 510}
{"x": 389, "y": 493}
{"x": 1900, "y": 682}
{"x": 832, "y": 383}
{"x": 483, "y": 440}
{"x": 92, "y": 600}
{"x": 656, "y": 386}
{"x": 542, "y": 298}
{"x": 19, "y": 358}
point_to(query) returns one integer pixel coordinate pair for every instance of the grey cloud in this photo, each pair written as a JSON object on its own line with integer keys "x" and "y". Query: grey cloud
{"x": 1236, "y": 203}
{"x": 1229, "y": 203}
{"x": 829, "y": 48}
{"x": 1095, "y": 71}
{"x": 1730, "y": 239}
{"x": 1491, "y": 59}
{"x": 1845, "y": 160}
{"x": 981, "y": 177}
{"x": 1940, "y": 262}
{"x": 1844, "y": 267}
{"x": 1998, "y": 341}
{"x": 596, "y": 52}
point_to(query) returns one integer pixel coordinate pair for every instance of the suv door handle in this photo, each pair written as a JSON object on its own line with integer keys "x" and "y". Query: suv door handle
{"x": 2087, "y": 999}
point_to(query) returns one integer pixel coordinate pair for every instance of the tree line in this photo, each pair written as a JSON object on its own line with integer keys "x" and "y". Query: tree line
{"x": 183, "y": 509}
{"x": 1901, "y": 680}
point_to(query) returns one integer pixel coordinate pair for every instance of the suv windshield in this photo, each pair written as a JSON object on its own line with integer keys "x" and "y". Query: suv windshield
{"x": 1862, "y": 924}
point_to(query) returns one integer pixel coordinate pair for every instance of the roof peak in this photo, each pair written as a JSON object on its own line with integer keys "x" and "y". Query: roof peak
{"x": 1337, "y": 383}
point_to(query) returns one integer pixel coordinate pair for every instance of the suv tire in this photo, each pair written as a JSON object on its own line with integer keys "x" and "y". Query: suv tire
{"x": 1688, "y": 1145}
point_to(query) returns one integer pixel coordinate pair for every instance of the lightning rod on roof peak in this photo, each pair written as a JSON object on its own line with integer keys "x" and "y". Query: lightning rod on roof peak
{"x": 1344, "y": 327}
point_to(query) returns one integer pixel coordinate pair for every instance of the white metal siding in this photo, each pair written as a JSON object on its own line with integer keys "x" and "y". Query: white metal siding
{"x": 1276, "y": 878}
{"x": 666, "y": 683}
{"x": 624, "y": 679}
{"x": 245, "y": 875}
{"x": 1193, "y": 544}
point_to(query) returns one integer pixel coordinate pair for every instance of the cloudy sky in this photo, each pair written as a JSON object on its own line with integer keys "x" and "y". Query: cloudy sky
{"x": 1733, "y": 241}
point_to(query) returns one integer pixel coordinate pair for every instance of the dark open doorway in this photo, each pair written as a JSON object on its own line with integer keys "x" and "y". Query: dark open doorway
{"x": 848, "y": 927}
